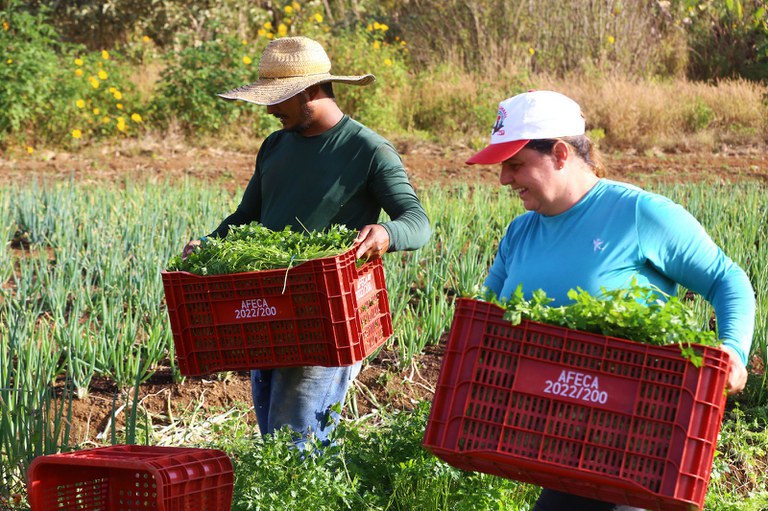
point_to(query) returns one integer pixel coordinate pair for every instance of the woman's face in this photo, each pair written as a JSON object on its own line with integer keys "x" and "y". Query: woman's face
{"x": 532, "y": 177}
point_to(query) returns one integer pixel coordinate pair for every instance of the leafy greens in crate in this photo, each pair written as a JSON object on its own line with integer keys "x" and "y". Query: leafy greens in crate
{"x": 638, "y": 313}
{"x": 253, "y": 247}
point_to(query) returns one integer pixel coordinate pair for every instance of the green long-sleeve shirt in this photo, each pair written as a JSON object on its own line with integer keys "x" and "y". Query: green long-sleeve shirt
{"x": 345, "y": 175}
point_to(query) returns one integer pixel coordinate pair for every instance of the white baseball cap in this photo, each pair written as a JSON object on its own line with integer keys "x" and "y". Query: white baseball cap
{"x": 530, "y": 116}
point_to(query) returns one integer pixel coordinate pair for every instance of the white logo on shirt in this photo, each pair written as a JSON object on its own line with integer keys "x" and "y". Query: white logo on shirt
{"x": 598, "y": 244}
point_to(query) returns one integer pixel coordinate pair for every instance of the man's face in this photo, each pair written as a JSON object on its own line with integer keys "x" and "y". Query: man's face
{"x": 294, "y": 113}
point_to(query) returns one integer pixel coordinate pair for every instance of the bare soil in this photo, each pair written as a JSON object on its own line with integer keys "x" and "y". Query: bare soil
{"x": 380, "y": 383}
{"x": 427, "y": 164}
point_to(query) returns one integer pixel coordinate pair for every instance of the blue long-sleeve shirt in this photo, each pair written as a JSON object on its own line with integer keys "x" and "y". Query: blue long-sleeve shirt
{"x": 614, "y": 233}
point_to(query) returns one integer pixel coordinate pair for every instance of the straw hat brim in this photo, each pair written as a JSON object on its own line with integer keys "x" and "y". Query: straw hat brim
{"x": 271, "y": 91}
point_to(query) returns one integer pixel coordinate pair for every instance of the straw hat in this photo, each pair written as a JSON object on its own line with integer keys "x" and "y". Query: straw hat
{"x": 288, "y": 66}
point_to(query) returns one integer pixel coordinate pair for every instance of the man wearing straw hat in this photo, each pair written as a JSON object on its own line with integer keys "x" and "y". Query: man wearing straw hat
{"x": 322, "y": 168}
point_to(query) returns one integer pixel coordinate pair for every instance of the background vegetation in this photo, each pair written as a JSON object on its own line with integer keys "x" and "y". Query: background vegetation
{"x": 72, "y": 73}
{"x": 678, "y": 74}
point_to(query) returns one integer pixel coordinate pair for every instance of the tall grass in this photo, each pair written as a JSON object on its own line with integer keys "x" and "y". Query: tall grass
{"x": 669, "y": 114}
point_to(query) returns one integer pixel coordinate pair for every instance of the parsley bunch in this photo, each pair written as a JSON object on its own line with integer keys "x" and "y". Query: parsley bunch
{"x": 253, "y": 247}
{"x": 638, "y": 313}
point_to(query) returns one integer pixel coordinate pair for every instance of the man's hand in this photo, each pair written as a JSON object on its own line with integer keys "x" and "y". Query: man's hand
{"x": 374, "y": 241}
{"x": 189, "y": 248}
{"x": 737, "y": 378}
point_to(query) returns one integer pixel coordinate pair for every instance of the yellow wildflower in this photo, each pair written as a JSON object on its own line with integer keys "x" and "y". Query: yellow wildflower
{"x": 383, "y": 27}
{"x": 78, "y": 72}
{"x": 78, "y": 62}
{"x": 76, "y": 133}
{"x": 112, "y": 90}
{"x": 611, "y": 40}
{"x": 121, "y": 124}
{"x": 105, "y": 54}
{"x": 6, "y": 26}
{"x": 369, "y": 28}
{"x": 267, "y": 25}
{"x": 9, "y": 61}
{"x": 376, "y": 44}
{"x": 135, "y": 117}
{"x": 106, "y": 120}
{"x": 30, "y": 149}
{"x": 288, "y": 9}
{"x": 119, "y": 106}
{"x": 403, "y": 43}
{"x": 247, "y": 60}
{"x": 296, "y": 5}
{"x": 318, "y": 17}
{"x": 96, "y": 111}
{"x": 376, "y": 25}
{"x": 270, "y": 35}
{"x": 244, "y": 42}
{"x": 262, "y": 32}
{"x": 94, "y": 82}
{"x": 531, "y": 51}
{"x": 146, "y": 39}
{"x": 387, "y": 62}
{"x": 282, "y": 30}
{"x": 80, "y": 103}
{"x": 103, "y": 75}
{"x": 118, "y": 95}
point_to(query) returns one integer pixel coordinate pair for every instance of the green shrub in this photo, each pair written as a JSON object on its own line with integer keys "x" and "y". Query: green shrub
{"x": 364, "y": 49}
{"x": 51, "y": 92}
{"x": 727, "y": 38}
{"x": 100, "y": 99}
{"x": 698, "y": 115}
{"x": 189, "y": 85}
{"x": 29, "y": 72}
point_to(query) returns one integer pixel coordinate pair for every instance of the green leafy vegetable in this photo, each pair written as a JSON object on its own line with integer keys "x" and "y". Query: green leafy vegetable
{"x": 253, "y": 247}
{"x": 638, "y": 313}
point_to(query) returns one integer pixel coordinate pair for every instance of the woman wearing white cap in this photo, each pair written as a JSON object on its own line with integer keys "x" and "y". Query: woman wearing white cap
{"x": 582, "y": 230}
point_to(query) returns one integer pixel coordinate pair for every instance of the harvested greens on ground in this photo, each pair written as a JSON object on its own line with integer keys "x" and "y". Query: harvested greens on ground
{"x": 253, "y": 247}
{"x": 638, "y": 313}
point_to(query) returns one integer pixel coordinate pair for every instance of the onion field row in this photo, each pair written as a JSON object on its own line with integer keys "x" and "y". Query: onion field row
{"x": 82, "y": 297}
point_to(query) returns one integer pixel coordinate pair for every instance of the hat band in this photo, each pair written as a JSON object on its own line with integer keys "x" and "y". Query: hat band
{"x": 303, "y": 75}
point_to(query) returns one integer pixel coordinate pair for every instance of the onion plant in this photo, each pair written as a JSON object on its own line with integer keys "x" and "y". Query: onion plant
{"x": 81, "y": 293}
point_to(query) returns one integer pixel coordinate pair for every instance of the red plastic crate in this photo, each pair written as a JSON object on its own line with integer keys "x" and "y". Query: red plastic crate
{"x": 324, "y": 312}
{"x": 591, "y": 415}
{"x": 132, "y": 478}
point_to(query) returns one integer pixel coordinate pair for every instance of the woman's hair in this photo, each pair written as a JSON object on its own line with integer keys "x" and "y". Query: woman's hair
{"x": 584, "y": 147}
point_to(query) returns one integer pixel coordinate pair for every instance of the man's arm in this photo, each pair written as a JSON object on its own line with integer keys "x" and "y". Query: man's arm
{"x": 409, "y": 227}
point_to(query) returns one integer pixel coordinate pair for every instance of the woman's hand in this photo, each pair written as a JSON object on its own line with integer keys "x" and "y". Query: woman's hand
{"x": 737, "y": 378}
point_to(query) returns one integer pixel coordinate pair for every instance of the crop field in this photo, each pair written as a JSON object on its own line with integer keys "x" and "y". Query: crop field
{"x": 115, "y": 151}
{"x": 82, "y": 299}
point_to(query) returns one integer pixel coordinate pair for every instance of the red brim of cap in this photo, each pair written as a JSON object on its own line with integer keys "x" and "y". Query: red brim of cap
{"x": 497, "y": 153}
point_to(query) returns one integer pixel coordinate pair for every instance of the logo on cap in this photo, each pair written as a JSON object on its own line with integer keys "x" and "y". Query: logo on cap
{"x": 500, "y": 117}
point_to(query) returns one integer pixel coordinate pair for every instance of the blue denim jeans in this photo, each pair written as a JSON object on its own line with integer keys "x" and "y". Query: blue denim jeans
{"x": 301, "y": 398}
{"x": 551, "y": 500}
